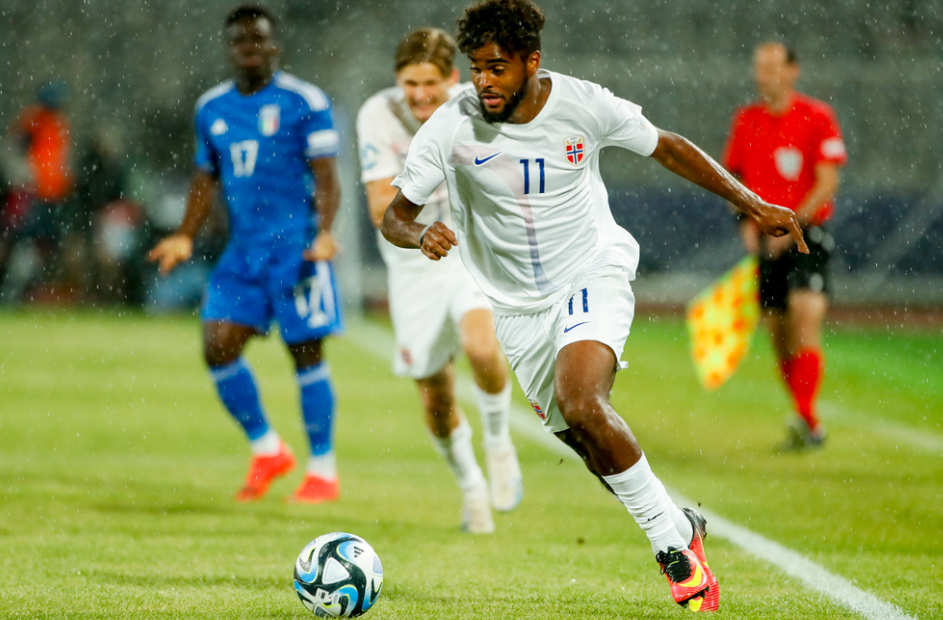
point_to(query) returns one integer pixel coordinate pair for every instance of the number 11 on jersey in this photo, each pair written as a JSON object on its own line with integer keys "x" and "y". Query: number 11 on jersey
{"x": 540, "y": 165}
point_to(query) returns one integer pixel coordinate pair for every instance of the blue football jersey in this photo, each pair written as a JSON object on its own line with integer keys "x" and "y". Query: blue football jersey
{"x": 259, "y": 146}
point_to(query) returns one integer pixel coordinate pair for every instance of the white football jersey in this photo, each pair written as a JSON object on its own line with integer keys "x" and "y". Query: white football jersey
{"x": 530, "y": 209}
{"x": 385, "y": 127}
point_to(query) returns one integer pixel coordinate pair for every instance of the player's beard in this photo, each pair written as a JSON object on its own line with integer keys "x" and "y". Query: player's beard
{"x": 509, "y": 108}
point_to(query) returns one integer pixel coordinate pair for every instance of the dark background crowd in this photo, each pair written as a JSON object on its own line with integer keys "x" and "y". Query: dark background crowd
{"x": 71, "y": 230}
{"x": 97, "y": 115}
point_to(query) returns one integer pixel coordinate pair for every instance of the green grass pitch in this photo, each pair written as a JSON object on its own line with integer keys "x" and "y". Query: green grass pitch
{"x": 117, "y": 466}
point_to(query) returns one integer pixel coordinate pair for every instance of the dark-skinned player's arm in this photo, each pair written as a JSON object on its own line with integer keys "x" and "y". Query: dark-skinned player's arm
{"x": 680, "y": 156}
{"x": 178, "y": 247}
{"x": 327, "y": 200}
{"x": 400, "y": 228}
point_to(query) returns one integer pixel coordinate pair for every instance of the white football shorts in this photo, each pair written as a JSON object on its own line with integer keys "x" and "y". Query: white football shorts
{"x": 427, "y": 308}
{"x": 599, "y": 306}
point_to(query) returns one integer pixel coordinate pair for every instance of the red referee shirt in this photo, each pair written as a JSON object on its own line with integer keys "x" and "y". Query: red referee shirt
{"x": 775, "y": 156}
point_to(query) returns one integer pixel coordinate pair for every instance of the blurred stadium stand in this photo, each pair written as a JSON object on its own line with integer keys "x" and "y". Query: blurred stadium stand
{"x": 139, "y": 67}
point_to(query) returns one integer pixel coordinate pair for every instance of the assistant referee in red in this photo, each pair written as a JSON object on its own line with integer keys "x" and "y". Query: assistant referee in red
{"x": 787, "y": 147}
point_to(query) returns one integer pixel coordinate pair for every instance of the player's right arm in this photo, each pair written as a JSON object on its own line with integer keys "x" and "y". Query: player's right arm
{"x": 422, "y": 173}
{"x": 380, "y": 194}
{"x": 379, "y": 162}
{"x": 400, "y": 228}
{"x": 178, "y": 247}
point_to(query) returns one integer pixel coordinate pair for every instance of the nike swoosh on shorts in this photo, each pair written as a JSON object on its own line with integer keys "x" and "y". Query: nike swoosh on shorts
{"x": 567, "y": 329}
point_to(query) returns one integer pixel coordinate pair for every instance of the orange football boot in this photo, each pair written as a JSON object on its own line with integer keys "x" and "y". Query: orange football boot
{"x": 686, "y": 576}
{"x": 316, "y": 490}
{"x": 711, "y": 600}
{"x": 263, "y": 471}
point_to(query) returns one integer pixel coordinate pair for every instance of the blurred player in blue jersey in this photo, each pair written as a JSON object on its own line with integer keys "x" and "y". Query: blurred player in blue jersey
{"x": 268, "y": 139}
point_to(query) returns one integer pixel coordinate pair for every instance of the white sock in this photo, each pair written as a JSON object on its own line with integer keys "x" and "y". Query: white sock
{"x": 646, "y": 500}
{"x": 266, "y": 445}
{"x": 458, "y": 452}
{"x": 323, "y": 466}
{"x": 682, "y": 523}
{"x": 494, "y": 415}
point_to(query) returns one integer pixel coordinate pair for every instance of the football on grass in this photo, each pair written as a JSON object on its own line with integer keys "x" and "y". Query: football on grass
{"x": 338, "y": 575}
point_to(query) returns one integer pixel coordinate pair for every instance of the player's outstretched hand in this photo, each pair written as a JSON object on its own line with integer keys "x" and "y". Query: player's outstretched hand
{"x": 437, "y": 241}
{"x": 322, "y": 248}
{"x": 778, "y": 221}
{"x": 171, "y": 251}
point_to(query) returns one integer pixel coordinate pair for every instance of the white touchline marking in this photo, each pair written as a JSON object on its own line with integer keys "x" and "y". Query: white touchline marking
{"x": 380, "y": 343}
{"x": 916, "y": 438}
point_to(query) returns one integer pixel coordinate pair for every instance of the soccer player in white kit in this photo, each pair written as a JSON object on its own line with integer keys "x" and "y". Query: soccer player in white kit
{"x": 520, "y": 156}
{"x": 437, "y": 309}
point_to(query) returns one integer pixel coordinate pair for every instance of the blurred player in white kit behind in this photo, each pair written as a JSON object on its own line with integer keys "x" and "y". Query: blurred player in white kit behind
{"x": 436, "y": 307}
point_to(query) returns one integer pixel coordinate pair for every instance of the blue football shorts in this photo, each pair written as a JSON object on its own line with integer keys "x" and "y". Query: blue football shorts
{"x": 302, "y": 296}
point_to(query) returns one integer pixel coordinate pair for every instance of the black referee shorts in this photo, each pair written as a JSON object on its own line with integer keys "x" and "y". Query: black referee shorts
{"x": 794, "y": 270}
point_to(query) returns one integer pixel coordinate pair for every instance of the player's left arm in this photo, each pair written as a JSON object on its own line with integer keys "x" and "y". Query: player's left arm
{"x": 682, "y": 157}
{"x": 327, "y": 200}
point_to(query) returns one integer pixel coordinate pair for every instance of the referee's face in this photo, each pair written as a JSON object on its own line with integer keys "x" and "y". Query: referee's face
{"x": 775, "y": 76}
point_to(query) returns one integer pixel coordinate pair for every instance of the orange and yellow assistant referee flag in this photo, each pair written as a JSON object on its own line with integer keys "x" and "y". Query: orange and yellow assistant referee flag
{"x": 721, "y": 322}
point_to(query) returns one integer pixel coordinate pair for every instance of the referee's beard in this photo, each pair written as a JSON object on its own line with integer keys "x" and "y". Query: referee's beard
{"x": 509, "y": 108}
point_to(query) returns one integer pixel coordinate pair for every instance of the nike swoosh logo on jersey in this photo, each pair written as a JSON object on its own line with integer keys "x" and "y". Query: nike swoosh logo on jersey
{"x": 478, "y": 161}
{"x": 567, "y": 329}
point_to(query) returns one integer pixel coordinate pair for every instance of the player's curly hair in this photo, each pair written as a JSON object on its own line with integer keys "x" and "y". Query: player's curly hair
{"x": 248, "y": 11}
{"x": 513, "y": 25}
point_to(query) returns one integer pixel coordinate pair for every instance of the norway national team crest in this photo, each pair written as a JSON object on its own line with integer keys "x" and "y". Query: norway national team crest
{"x": 269, "y": 119}
{"x": 574, "y": 149}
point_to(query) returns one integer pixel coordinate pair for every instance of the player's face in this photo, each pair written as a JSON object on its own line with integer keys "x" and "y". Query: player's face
{"x": 425, "y": 88}
{"x": 252, "y": 47}
{"x": 775, "y": 77}
{"x": 501, "y": 80}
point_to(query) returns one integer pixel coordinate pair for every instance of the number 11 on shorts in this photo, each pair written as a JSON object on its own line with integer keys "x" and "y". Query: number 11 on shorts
{"x": 585, "y": 296}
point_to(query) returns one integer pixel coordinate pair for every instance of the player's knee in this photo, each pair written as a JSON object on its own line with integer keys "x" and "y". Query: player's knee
{"x": 306, "y": 354}
{"x": 579, "y": 408}
{"x": 217, "y": 352}
{"x": 482, "y": 351}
